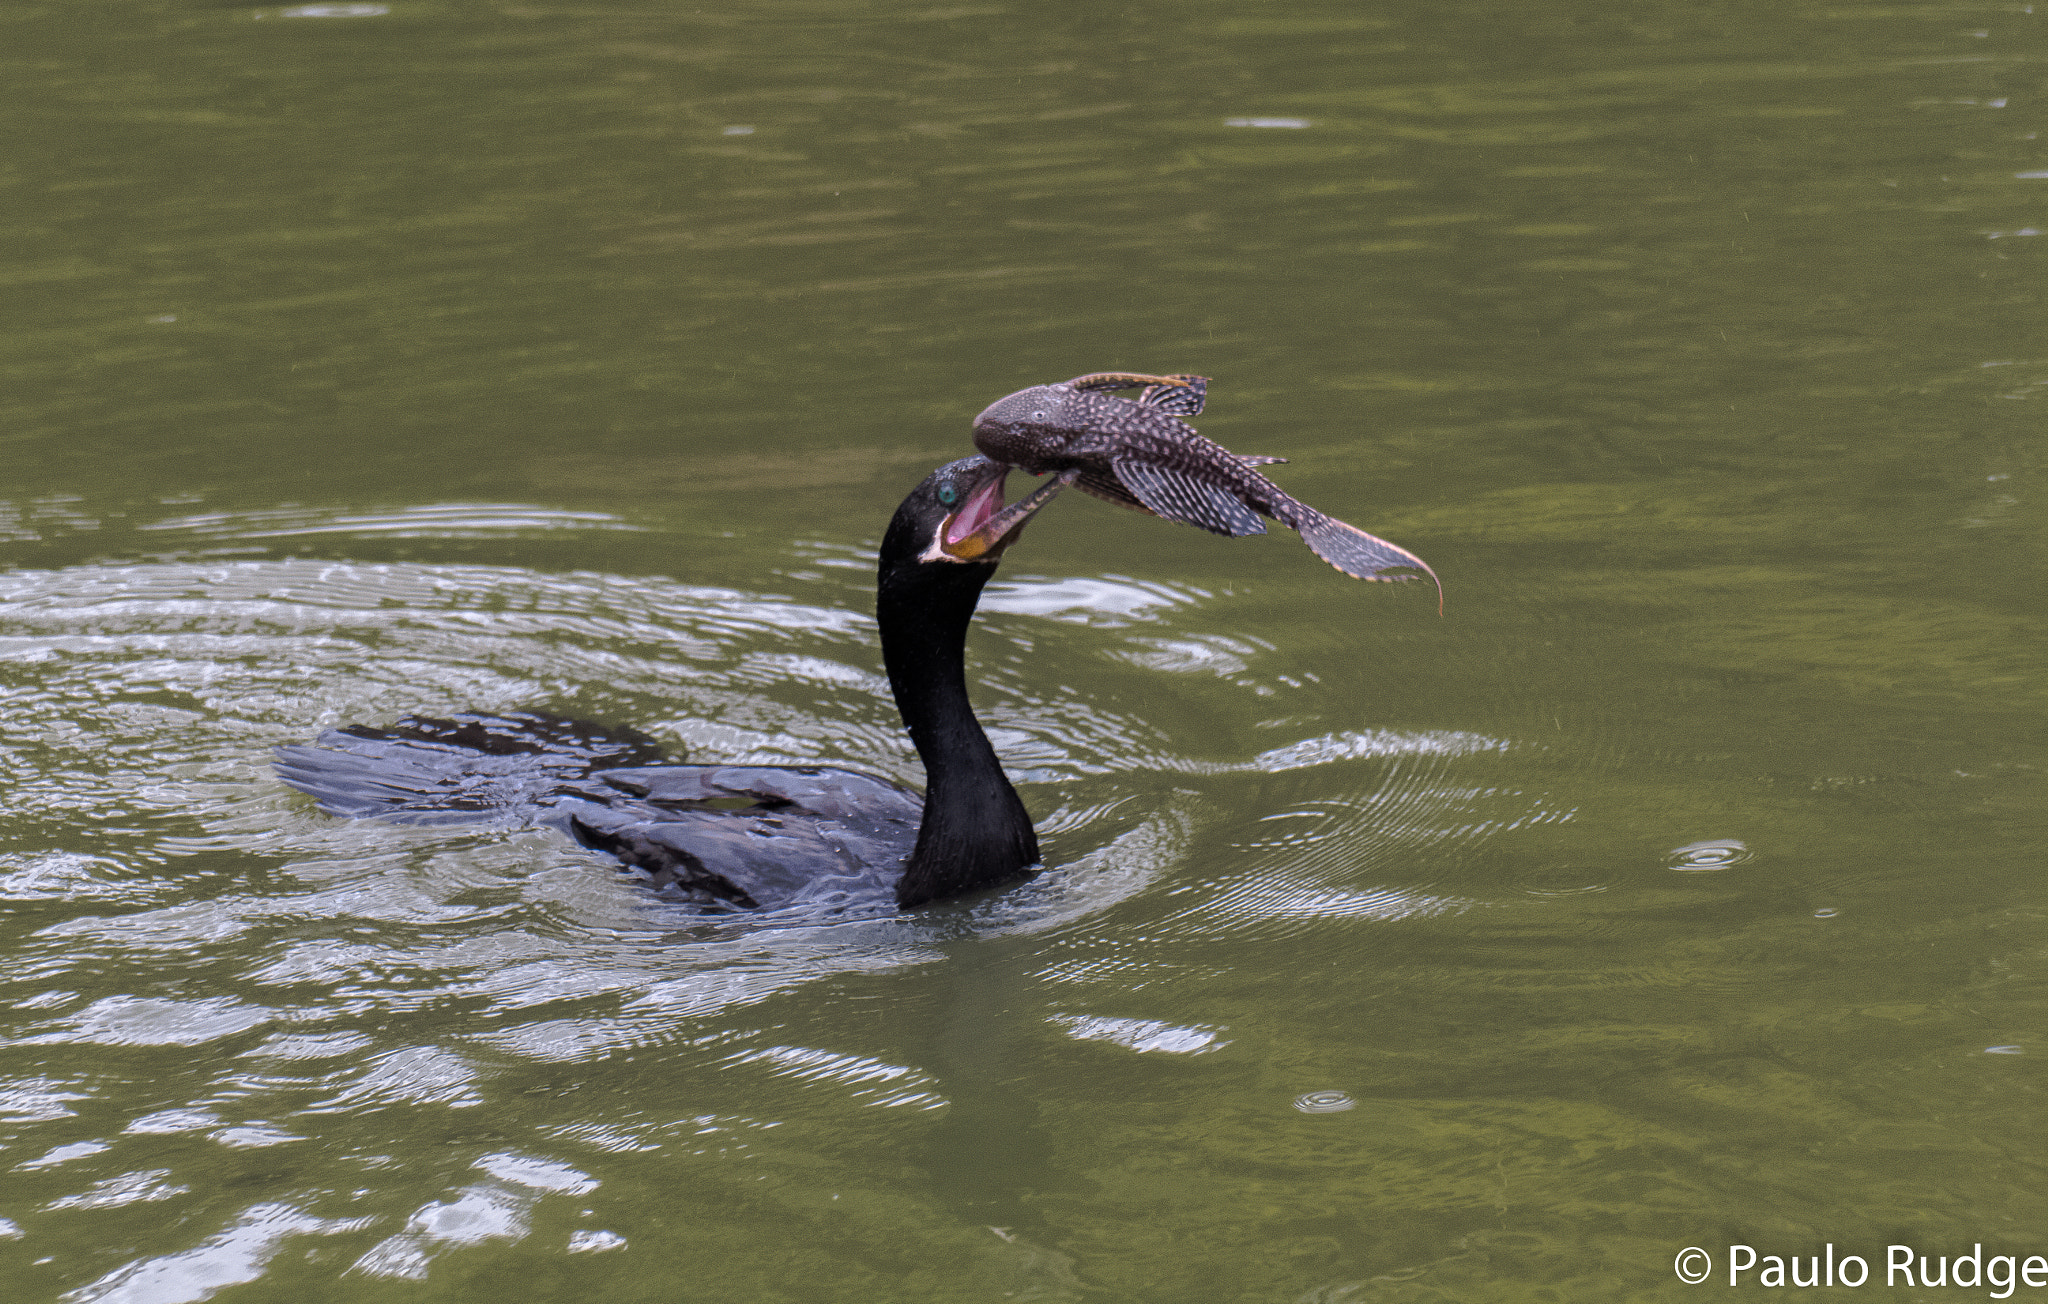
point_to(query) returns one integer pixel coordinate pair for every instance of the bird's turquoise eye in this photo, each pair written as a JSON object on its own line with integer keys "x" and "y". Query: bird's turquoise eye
{"x": 948, "y": 495}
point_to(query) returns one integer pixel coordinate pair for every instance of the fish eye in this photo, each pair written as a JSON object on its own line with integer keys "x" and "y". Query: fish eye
{"x": 948, "y": 495}
{"x": 1038, "y": 416}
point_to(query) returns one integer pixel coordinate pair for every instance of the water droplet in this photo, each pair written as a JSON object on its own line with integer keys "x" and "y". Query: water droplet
{"x": 1719, "y": 853}
{"x": 1826, "y": 912}
{"x": 1324, "y": 1102}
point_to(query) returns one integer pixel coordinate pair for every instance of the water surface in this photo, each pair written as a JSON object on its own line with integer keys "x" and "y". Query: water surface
{"x": 1680, "y": 886}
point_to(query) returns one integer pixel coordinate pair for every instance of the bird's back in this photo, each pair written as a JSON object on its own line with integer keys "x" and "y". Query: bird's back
{"x": 722, "y": 836}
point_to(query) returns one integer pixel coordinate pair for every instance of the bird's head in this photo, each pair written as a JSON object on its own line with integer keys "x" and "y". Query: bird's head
{"x": 957, "y": 515}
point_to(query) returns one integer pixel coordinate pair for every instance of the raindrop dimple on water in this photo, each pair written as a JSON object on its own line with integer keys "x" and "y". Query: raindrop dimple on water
{"x": 335, "y": 11}
{"x": 737, "y": 131}
{"x": 1324, "y": 1102}
{"x": 1718, "y": 853}
{"x": 1826, "y": 912}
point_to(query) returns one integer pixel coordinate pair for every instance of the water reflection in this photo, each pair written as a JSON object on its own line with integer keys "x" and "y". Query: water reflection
{"x": 436, "y": 521}
{"x": 229, "y": 1258}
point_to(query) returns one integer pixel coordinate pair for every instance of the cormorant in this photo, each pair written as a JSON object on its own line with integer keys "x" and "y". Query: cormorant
{"x": 750, "y": 836}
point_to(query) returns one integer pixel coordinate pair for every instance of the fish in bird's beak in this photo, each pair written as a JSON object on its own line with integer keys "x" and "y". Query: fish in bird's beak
{"x": 982, "y": 527}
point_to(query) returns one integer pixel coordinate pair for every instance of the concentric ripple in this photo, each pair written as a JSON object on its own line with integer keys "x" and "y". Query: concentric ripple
{"x": 258, "y": 978}
{"x": 1324, "y": 1102}
{"x": 1717, "y": 853}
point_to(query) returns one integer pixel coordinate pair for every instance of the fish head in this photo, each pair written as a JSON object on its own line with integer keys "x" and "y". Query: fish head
{"x": 1037, "y": 406}
{"x": 1029, "y": 428}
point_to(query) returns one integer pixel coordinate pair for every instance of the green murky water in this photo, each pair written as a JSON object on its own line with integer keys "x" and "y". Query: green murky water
{"x": 1680, "y": 887}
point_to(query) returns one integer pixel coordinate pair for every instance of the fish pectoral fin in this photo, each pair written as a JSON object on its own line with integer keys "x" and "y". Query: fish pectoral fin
{"x": 1258, "y": 459}
{"x": 1105, "y": 486}
{"x": 1179, "y": 496}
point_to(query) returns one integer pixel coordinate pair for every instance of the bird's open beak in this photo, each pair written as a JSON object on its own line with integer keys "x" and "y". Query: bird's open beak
{"x": 983, "y": 527}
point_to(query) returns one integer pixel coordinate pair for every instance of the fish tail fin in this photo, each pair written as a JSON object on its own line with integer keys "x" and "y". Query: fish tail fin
{"x": 1356, "y": 553}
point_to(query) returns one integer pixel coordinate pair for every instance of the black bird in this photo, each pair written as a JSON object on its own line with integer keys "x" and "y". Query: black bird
{"x": 750, "y": 837}
{"x": 1138, "y": 453}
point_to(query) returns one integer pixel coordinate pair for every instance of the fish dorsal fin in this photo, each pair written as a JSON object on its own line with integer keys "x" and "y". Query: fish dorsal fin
{"x": 1097, "y": 380}
{"x": 1184, "y": 399}
{"x": 1179, "y": 496}
{"x": 1176, "y": 396}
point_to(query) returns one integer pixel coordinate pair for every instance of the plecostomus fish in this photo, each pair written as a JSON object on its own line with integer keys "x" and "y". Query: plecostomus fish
{"x": 1139, "y": 453}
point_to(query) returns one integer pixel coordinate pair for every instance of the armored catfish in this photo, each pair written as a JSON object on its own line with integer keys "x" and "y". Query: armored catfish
{"x": 1139, "y": 453}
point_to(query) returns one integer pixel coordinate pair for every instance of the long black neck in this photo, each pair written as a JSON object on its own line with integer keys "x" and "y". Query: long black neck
{"x": 975, "y": 832}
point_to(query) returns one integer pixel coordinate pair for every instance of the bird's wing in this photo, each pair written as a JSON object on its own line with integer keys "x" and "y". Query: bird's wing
{"x": 473, "y": 767}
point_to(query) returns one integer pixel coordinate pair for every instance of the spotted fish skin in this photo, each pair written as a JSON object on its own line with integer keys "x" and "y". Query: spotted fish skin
{"x": 1138, "y": 453}
{"x": 1135, "y": 453}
